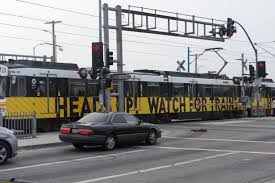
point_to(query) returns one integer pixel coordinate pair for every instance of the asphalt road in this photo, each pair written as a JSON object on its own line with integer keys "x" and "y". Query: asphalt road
{"x": 231, "y": 151}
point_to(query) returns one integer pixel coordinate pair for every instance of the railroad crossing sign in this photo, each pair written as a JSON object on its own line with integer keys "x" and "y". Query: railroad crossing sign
{"x": 180, "y": 66}
{"x": 120, "y": 76}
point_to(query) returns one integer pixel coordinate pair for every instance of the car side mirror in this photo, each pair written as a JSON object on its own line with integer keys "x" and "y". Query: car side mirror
{"x": 139, "y": 122}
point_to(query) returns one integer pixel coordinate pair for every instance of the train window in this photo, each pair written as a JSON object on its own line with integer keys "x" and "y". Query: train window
{"x": 18, "y": 86}
{"x": 153, "y": 89}
{"x": 178, "y": 90}
{"x": 186, "y": 90}
{"x": 200, "y": 90}
{"x": 272, "y": 92}
{"x": 76, "y": 88}
{"x": 52, "y": 87}
{"x": 3, "y": 82}
{"x": 217, "y": 92}
{"x": 62, "y": 87}
{"x": 207, "y": 91}
{"x": 164, "y": 89}
{"x": 93, "y": 89}
{"x": 131, "y": 88}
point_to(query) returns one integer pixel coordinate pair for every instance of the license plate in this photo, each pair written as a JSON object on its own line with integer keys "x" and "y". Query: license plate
{"x": 74, "y": 130}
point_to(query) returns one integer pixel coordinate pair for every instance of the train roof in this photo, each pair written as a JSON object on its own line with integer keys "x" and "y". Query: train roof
{"x": 38, "y": 64}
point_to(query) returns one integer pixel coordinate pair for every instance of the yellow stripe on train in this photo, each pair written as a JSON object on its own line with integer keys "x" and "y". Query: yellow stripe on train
{"x": 60, "y": 107}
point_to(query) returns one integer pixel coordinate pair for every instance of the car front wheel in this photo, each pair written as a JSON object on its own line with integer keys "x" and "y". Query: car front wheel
{"x": 110, "y": 143}
{"x": 4, "y": 152}
{"x": 151, "y": 138}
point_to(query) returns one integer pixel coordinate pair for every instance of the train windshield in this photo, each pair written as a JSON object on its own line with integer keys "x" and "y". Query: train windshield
{"x": 2, "y": 87}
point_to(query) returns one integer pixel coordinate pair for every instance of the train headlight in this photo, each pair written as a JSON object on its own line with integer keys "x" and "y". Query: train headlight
{"x": 2, "y": 110}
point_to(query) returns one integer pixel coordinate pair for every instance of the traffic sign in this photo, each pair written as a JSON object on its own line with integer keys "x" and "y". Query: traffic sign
{"x": 120, "y": 76}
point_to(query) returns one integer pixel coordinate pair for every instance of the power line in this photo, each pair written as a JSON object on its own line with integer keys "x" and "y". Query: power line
{"x": 85, "y": 27}
{"x": 55, "y": 8}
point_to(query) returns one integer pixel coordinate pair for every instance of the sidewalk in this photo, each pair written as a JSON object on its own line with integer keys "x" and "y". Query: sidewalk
{"x": 42, "y": 139}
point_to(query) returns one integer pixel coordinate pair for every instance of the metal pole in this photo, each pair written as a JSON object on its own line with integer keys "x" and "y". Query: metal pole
{"x": 243, "y": 65}
{"x": 100, "y": 21}
{"x": 188, "y": 59}
{"x": 256, "y": 74}
{"x": 101, "y": 93}
{"x": 196, "y": 63}
{"x": 1, "y": 119}
{"x": 106, "y": 47}
{"x": 34, "y": 133}
{"x": 119, "y": 58}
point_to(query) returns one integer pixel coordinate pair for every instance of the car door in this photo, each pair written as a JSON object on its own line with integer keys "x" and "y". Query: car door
{"x": 122, "y": 129}
{"x": 138, "y": 130}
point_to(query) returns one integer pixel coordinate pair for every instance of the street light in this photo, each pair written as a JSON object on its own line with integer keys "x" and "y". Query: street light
{"x": 40, "y": 44}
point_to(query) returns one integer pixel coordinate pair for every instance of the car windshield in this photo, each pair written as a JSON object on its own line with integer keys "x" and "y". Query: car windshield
{"x": 95, "y": 117}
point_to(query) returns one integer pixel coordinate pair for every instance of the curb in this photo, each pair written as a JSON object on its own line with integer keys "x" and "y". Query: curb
{"x": 38, "y": 146}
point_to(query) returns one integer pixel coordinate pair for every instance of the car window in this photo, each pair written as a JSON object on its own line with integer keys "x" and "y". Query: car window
{"x": 131, "y": 119}
{"x": 95, "y": 117}
{"x": 118, "y": 118}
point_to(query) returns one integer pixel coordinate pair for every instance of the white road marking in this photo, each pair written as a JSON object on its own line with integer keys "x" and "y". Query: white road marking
{"x": 223, "y": 140}
{"x": 109, "y": 177}
{"x": 155, "y": 168}
{"x": 209, "y": 157}
{"x": 225, "y": 122}
{"x": 69, "y": 161}
{"x": 215, "y": 150}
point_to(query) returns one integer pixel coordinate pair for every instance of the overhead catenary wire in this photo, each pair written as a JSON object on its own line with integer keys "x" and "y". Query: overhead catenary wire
{"x": 85, "y": 27}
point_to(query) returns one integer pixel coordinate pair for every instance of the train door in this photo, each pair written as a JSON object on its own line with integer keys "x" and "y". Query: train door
{"x": 132, "y": 95}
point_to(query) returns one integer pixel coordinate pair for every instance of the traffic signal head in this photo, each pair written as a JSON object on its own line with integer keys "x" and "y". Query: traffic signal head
{"x": 97, "y": 54}
{"x": 106, "y": 71}
{"x": 231, "y": 29}
{"x": 93, "y": 73}
{"x": 109, "y": 57}
{"x": 261, "y": 69}
{"x": 83, "y": 73}
{"x": 236, "y": 80}
{"x": 251, "y": 71}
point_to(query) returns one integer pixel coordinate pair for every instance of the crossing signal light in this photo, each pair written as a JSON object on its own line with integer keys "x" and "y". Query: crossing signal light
{"x": 94, "y": 73}
{"x": 97, "y": 55}
{"x": 251, "y": 71}
{"x": 109, "y": 57}
{"x": 261, "y": 69}
{"x": 231, "y": 29}
{"x": 236, "y": 80}
{"x": 83, "y": 73}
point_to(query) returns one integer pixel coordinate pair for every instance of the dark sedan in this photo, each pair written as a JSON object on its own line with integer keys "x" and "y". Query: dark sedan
{"x": 108, "y": 129}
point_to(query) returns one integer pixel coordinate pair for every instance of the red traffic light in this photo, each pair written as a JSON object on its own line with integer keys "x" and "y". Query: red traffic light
{"x": 96, "y": 48}
{"x": 261, "y": 65}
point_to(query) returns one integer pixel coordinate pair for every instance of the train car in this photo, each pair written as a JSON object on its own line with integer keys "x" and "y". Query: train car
{"x": 57, "y": 94}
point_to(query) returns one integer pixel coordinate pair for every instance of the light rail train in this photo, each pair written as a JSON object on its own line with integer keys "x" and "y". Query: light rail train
{"x": 57, "y": 94}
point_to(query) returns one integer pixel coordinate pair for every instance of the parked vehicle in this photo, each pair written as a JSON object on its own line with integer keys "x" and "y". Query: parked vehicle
{"x": 108, "y": 129}
{"x": 8, "y": 145}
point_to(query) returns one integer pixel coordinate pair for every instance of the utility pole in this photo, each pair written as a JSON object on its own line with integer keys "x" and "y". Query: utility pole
{"x": 54, "y": 39}
{"x": 258, "y": 96}
{"x": 100, "y": 21}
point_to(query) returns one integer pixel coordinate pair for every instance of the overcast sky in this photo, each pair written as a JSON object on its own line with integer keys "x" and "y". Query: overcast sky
{"x": 161, "y": 53}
